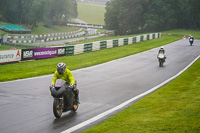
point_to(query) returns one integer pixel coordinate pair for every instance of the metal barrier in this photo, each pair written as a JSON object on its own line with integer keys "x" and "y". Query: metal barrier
{"x": 40, "y": 53}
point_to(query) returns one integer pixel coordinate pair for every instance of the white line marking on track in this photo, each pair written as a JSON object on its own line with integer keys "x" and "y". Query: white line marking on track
{"x": 74, "y": 128}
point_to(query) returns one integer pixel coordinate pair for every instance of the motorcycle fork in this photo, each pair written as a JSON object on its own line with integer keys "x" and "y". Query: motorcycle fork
{"x": 61, "y": 102}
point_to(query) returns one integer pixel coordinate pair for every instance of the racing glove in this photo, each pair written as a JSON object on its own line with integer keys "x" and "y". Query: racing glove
{"x": 52, "y": 86}
{"x": 71, "y": 86}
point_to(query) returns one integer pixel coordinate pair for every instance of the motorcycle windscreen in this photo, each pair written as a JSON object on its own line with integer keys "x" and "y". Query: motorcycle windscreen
{"x": 59, "y": 88}
{"x": 161, "y": 55}
{"x": 59, "y": 82}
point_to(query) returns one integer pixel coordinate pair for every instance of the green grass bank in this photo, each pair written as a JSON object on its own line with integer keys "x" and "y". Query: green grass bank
{"x": 94, "y": 13}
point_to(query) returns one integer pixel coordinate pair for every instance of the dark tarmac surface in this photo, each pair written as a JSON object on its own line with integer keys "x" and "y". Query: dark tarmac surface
{"x": 26, "y": 105}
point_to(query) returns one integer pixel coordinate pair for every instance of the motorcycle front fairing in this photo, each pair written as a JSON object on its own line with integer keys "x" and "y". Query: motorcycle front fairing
{"x": 191, "y": 41}
{"x": 59, "y": 89}
{"x": 161, "y": 55}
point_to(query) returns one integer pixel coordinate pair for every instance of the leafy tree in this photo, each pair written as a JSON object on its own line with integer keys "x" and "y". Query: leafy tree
{"x": 111, "y": 16}
{"x": 161, "y": 15}
{"x": 189, "y": 16}
{"x": 125, "y": 17}
{"x": 134, "y": 16}
{"x": 35, "y": 12}
{"x": 73, "y": 9}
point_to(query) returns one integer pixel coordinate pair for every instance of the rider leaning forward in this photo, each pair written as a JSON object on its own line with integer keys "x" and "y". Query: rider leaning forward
{"x": 162, "y": 51}
{"x": 63, "y": 73}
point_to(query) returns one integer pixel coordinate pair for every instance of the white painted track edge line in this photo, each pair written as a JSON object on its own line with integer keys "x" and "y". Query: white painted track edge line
{"x": 95, "y": 118}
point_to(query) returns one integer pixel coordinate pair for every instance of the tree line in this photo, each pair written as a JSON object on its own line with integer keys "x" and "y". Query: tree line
{"x": 136, "y": 16}
{"x": 35, "y": 12}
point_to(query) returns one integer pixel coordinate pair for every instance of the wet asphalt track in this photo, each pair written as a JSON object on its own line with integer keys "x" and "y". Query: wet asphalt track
{"x": 26, "y": 105}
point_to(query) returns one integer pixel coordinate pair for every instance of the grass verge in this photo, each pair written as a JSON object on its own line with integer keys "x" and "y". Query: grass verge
{"x": 55, "y": 29}
{"x": 6, "y": 47}
{"x": 174, "y": 108}
{"x": 94, "y": 13}
{"x": 182, "y": 32}
{"x": 48, "y": 66}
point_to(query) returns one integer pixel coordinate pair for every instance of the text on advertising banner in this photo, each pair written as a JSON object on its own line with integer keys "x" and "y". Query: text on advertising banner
{"x": 41, "y": 53}
{"x": 10, "y": 55}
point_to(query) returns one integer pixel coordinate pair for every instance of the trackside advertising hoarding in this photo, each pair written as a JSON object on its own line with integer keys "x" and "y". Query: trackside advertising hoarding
{"x": 41, "y": 53}
{"x": 10, "y": 56}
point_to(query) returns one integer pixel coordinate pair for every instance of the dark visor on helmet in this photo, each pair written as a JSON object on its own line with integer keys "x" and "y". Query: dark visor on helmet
{"x": 60, "y": 71}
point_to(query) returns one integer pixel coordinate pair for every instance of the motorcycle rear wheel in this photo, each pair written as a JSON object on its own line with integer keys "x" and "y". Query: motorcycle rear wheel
{"x": 75, "y": 106}
{"x": 160, "y": 63}
{"x": 57, "y": 107}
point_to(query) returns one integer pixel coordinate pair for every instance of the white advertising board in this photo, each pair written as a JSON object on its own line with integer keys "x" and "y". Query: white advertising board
{"x": 10, "y": 55}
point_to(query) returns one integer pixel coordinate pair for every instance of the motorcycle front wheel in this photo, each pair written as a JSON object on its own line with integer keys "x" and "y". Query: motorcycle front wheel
{"x": 58, "y": 107}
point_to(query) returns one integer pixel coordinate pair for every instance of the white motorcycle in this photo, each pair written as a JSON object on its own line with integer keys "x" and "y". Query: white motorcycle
{"x": 161, "y": 59}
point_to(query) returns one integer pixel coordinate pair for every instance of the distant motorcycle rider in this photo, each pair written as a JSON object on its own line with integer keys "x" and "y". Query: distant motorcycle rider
{"x": 63, "y": 73}
{"x": 191, "y": 40}
{"x": 161, "y": 51}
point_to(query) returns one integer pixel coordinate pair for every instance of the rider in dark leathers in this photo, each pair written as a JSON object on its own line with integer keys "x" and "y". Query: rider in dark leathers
{"x": 161, "y": 51}
{"x": 191, "y": 40}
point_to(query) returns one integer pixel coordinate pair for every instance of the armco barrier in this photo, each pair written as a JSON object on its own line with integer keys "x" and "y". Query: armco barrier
{"x": 103, "y": 44}
{"x": 154, "y": 36}
{"x": 121, "y": 42}
{"x": 115, "y": 43}
{"x": 125, "y": 41}
{"x": 109, "y": 43}
{"x": 41, "y": 53}
{"x": 79, "y": 49}
{"x": 147, "y": 37}
{"x": 87, "y": 47}
{"x": 130, "y": 40}
{"x": 43, "y": 38}
{"x": 84, "y": 48}
{"x": 134, "y": 39}
{"x": 96, "y": 46}
{"x": 141, "y": 38}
